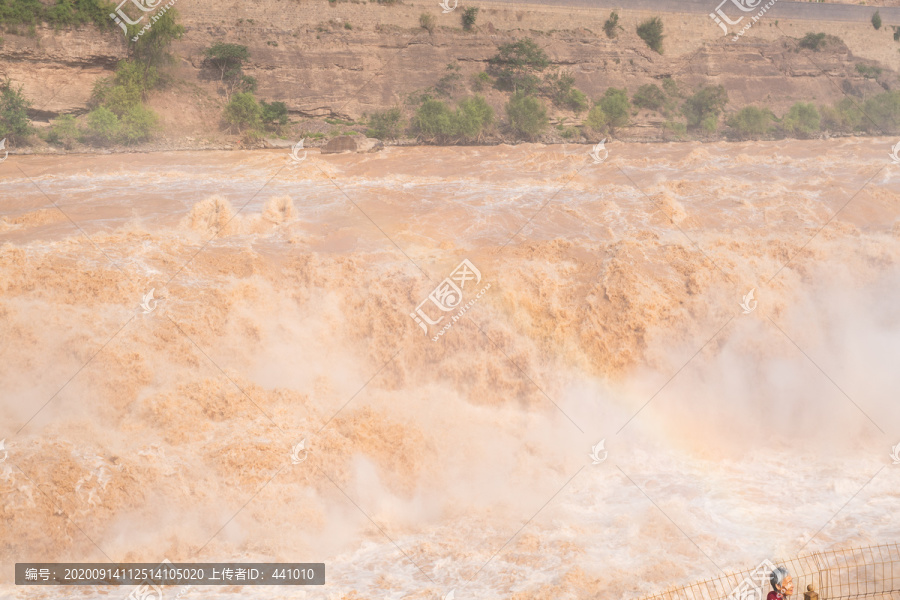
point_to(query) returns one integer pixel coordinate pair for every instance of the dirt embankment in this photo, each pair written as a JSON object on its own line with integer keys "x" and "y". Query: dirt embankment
{"x": 344, "y": 59}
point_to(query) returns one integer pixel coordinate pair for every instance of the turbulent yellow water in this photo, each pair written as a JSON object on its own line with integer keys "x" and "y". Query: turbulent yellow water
{"x": 282, "y": 295}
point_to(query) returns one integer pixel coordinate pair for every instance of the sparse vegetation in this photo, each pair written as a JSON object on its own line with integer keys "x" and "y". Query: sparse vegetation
{"x": 426, "y": 22}
{"x": 64, "y": 132}
{"x": 651, "y": 31}
{"x": 813, "y": 41}
{"x": 868, "y": 71}
{"x": 611, "y": 26}
{"x": 469, "y": 17}
{"x": 527, "y": 115}
{"x": 560, "y": 88}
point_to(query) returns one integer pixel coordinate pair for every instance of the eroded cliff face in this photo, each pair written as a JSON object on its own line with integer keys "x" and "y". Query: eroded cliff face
{"x": 345, "y": 59}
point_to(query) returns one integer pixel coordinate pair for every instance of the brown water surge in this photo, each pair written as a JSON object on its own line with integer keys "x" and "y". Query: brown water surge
{"x": 284, "y": 314}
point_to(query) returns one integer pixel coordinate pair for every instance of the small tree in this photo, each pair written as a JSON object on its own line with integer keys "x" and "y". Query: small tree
{"x": 651, "y": 31}
{"x": 426, "y": 22}
{"x": 611, "y": 26}
{"x": 14, "y": 107}
{"x": 468, "y": 18}
{"x": 515, "y": 65}
{"x": 527, "y": 116}
{"x": 802, "y": 120}
{"x": 876, "y": 20}
{"x": 152, "y": 46}
{"x": 228, "y": 61}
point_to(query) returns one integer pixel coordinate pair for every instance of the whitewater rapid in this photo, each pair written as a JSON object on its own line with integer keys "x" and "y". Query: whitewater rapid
{"x": 282, "y": 296}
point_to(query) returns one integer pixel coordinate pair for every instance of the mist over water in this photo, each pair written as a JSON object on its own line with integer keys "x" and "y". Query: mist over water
{"x": 613, "y": 314}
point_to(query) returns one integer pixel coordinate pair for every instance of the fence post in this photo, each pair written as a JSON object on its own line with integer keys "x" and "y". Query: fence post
{"x": 810, "y": 593}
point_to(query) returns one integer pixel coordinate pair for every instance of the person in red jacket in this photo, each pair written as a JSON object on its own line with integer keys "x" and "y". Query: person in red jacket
{"x": 782, "y": 584}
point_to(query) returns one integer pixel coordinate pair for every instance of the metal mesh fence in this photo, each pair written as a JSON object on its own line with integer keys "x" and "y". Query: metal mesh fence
{"x": 835, "y": 574}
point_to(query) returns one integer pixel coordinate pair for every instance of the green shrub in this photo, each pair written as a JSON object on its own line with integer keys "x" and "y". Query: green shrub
{"x": 670, "y": 87}
{"x": 649, "y": 96}
{"x": 867, "y": 71}
{"x": 651, "y": 31}
{"x": 802, "y": 120}
{"x": 515, "y": 65}
{"x": 243, "y": 112}
{"x": 562, "y": 91}
{"x": 527, "y": 116}
{"x": 480, "y": 81}
{"x": 611, "y": 26}
{"x": 386, "y": 124}
{"x": 896, "y": 32}
{"x": 679, "y": 130}
{"x": 137, "y": 125}
{"x": 751, "y": 122}
{"x": 14, "y": 107}
{"x": 702, "y": 109}
{"x": 273, "y": 115}
{"x": 449, "y": 83}
{"x": 426, "y": 22}
{"x": 64, "y": 132}
{"x": 468, "y": 18}
{"x": 597, "y": 119}
{"x": 843, "y": 117}
{"x": 616, "y": 107}
{"x": 102, "y": 126}
{"x": 812, "y": 41}
{"x": 64, "y": 13}
{"x": 434, "y": 120}
{"x": 876, "y": 20}
{"x": 883, "y": 113}
{"x": 473, "y": 116}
